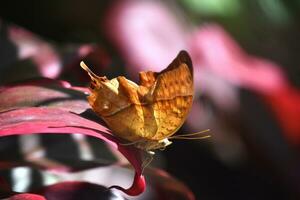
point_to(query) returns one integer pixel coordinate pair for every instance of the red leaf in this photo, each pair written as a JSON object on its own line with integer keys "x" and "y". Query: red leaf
{"x": 285, "y": 105}
{"x": 27, "y": 196}
{"x": 53, "y": 120}
{"x": 136, "y": 189}
{"x": 44, "y": 92}
{"x": 78, "y": 190}
{"x": 59, "y": 112}
{"x": 168, "y": 187}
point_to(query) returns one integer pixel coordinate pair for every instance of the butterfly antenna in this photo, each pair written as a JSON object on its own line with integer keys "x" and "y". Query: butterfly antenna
{"x": 192, "y": 136}
{"x": 87, "y": 69}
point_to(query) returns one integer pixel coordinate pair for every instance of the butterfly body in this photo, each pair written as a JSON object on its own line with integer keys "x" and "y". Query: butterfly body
{"x": 149, "y": 113}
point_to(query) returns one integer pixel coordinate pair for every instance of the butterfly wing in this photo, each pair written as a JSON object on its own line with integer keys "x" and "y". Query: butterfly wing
{"x": 171, "y": 96}
{"x": 153, "y": 110}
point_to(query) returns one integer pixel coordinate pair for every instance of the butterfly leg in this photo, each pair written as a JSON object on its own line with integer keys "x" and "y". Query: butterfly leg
{"x": 149, "y": 157}
{"x": 132, "y": 143}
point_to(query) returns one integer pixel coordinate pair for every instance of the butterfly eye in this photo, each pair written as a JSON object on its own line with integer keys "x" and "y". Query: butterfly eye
{"x": 106, "y": 105}
{"x": 92, "y": 85}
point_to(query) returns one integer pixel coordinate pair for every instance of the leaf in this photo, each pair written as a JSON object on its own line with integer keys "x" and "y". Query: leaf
{"x": 18, "y": 117}
{"x": 73, "y": 190}
{"x": 27, "y": 196}
{"x": 53, "y": 94}
{"x": 138, "y": 54}
{"x": 233, "y": 64}
{"x": 161, "y": 184}
{"x": 70, "y": 190}
{"x": 44, "y": 93}
{"x": 168, "y": 187}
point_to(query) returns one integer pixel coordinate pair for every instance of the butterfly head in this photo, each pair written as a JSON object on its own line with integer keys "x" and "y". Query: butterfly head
{"x": 103, "y": 92}
{"x": 96, "y": 81}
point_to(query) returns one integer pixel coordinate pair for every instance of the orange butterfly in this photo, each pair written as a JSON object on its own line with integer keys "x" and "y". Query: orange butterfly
{"x": 150, "y": 113}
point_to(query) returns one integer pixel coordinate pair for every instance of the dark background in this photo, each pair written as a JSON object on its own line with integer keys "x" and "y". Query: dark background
{"x": 269, "y": 168}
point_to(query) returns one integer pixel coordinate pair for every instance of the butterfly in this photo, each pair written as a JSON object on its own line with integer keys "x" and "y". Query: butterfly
{"x": 149, "y": 114}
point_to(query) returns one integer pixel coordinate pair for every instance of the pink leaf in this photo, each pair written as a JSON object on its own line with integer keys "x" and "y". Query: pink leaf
{"x": 53, "y": 120}
{"x": 42, "y": 53}
{"x": 129, "y": 22}
{"x": 61, "y": 112}
{"x": 213, "y": 48}
{"x": 44, "y": 92}
{"x": 27, "y": 196}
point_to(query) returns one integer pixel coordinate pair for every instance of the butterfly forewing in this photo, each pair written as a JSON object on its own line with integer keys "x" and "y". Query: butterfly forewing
{"x": 173, "y": 96}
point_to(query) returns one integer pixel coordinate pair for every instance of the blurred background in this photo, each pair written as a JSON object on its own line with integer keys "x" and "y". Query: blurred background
{"x": 247, "y": 77}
